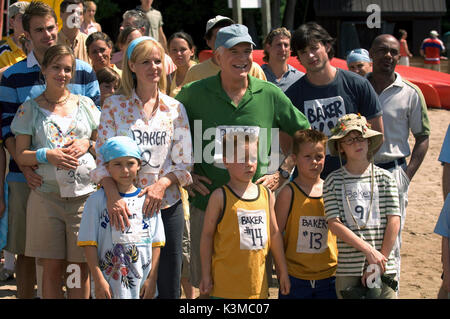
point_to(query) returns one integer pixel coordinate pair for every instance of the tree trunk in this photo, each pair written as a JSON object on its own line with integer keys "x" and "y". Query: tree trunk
{"x": 289, "y": 14}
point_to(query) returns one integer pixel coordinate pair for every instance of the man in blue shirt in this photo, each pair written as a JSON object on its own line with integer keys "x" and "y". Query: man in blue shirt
{"x": 20, "y": 82}
{"x": 277, "y": 50}
{"x": 326, "y": 93}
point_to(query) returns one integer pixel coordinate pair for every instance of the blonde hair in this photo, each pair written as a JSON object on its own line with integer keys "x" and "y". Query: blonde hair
{"x": 140, "y": 51}
{"x": 90, "y": 4}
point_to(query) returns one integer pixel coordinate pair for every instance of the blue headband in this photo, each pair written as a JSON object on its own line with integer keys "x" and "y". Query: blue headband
{"x": 119, "y": 146}
{"x": 358, "y": 55}
{"x": 135, "y": 42}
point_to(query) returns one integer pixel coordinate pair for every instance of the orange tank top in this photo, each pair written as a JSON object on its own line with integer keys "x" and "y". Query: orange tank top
{"x": 310, "y": 247}
{"x": 241, "y": 244}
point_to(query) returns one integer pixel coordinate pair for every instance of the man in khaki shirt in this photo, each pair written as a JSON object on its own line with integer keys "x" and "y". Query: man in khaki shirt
{"x": 71, "y": 12}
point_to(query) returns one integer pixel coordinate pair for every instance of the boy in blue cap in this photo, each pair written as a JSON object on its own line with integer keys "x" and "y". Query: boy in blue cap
{"x": 358, "y": 61}
{"x": 123, "y": 265}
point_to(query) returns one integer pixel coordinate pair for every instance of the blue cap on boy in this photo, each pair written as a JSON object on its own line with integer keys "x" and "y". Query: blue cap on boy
{"x": 119, "y": 146}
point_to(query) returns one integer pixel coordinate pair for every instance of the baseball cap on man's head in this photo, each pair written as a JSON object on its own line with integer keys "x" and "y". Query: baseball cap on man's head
{"x": 358, "y": 55}
{"x": 232, "y": 35}
{"x": 212, "y": 22}
{"x": 16, "y": 8}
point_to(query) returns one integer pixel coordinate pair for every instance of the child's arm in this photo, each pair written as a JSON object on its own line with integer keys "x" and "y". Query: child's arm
{"x": 212, "y": 213}
{"x": 148, "y": 290}
{"x": 390, "y": 234}
{"x": 277, "y": 249}
{"x": 373, "y": 256}
{"x": 282, "y": 205}
{"x": 102, "y": 288}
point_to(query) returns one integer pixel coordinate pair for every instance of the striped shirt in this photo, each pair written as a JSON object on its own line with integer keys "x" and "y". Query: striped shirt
{"x": 23, "y": 81}
{"x": 352, "y": 262}
{"x": 433, "y": 49}
{"x": 10, "y": 53}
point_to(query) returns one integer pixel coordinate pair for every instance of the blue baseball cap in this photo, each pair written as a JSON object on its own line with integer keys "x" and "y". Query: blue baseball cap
{"x": 232, "y": 35}
{"x": 119, "y": 146}
{"x": 358, "y": 55}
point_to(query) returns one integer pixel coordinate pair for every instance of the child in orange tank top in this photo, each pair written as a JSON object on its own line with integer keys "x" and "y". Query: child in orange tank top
{"x": 239, "y": 228}
{"x": 310, "y": 248}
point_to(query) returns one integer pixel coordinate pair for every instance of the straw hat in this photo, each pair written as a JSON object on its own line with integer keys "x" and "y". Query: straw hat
{"x": 353, "y": 122}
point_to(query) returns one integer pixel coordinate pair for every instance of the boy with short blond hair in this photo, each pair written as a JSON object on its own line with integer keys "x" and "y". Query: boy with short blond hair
{"x": 239, "y": 228}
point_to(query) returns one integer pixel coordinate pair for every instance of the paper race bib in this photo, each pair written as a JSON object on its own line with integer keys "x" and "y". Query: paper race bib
{"x": 226, "y": 129}
{"x": 76, "y": 182}
{"x": 154, "y": 144}
{"x": 312, "y": 235}
{"x": 252, "y": 229}
{"x": 137, "y": 232}
{"x": 358, "y": 195}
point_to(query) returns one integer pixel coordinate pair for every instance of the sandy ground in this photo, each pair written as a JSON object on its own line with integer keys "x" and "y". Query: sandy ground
{"x": 421, "y": 252}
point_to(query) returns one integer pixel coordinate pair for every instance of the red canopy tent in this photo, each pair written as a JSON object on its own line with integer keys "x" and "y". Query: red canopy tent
{"x": 435, "y": 85}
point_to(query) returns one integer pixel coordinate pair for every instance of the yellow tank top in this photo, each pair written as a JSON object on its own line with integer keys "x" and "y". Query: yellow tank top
{"x": 241, "y": 244}
{"x": 310, "y": 247}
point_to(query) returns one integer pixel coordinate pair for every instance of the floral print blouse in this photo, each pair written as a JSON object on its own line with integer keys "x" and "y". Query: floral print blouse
{"x": 46, "y": 131}
{"x": 164, "y": 138}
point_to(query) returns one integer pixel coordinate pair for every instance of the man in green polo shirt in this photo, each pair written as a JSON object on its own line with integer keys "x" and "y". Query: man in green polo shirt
{"x": 232, "y": 100}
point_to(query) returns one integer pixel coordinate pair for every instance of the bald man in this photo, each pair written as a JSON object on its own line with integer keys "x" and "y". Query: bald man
{"x": 404, "y": 110}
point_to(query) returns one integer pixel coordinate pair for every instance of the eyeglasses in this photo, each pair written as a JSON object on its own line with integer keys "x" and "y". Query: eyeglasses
{"x": 352, "y": 140}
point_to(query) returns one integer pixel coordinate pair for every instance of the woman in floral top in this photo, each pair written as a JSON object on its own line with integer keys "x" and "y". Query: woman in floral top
{"x": 159, "y": 124}
{"x": 55, "y": 133}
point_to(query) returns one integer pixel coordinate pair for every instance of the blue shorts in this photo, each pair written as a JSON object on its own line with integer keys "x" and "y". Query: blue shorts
{"x": 311, "y": 289}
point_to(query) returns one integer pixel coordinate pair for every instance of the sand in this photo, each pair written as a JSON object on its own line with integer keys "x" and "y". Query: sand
{"x": 421, "y": 252}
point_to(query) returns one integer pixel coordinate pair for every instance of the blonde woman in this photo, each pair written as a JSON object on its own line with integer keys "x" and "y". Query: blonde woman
{"x": 89, "y": 25}
{"x": 55, "y": 132}
{"x": 159, "y": 124}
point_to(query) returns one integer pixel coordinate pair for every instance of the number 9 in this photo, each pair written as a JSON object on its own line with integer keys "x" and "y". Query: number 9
{"x": 359, "y": 210}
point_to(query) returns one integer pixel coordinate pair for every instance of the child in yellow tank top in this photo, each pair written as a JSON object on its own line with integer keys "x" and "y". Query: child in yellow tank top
{"x": 239, "y": 228}
{"x": 310, "y": 248}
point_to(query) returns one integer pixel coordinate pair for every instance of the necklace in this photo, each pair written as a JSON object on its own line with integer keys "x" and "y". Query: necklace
{"x": 63, "y": 101}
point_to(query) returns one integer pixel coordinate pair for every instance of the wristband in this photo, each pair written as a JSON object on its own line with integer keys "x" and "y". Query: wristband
{"x": 41, "y": 155}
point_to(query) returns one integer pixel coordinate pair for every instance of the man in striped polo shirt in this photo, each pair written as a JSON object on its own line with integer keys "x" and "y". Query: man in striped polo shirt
{"x": 404, "y": 110}
{"x": 20, "y": 82}
{"x": 431, "y": 50}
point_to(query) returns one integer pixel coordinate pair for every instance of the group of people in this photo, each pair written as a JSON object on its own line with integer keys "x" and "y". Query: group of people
{"x": 151, "y": 173}
{"x": 432, "y": 48}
